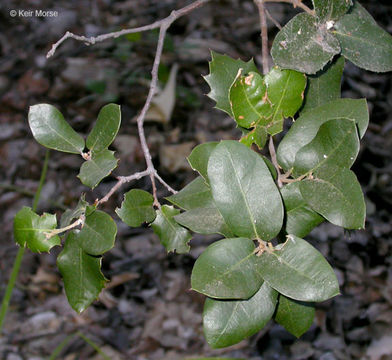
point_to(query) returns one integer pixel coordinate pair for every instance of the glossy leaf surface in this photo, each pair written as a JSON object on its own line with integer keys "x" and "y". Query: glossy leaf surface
{"x": 137, "y": 208}
{"x": 105, "y": 129}
{"x": 51, "y": 130}
{"x": 173, "y": 236}
{"x": 304, "y": 45}
{"x": 295, "y": 316}
{"x": 301, "y": 219}
{"x": 335, "y": 193}
{"x": 363, "y": 42}
{"x": 196, "y": 194}
{"x": 227, "y": 270}
{"x": 223, "y": 71}
{"x": 227, "y": 322}
{"x": 249, "y": 99}
{"x": 30, "y": 229}
{"x": 324, "y": 86}
{"x": 206, "y": 220}
{"x": 307, "y": 125}
{"x": 285, "y": 90}
{"x": 336, "y": 143}
{"x": 98, "y": 233}
{"x": 83, "y": 279}
{"x": 198, "y": 159}
{"x": 244, "y": 191}
{"x": 297, "y": 270}
{"x": 97, "y": 168}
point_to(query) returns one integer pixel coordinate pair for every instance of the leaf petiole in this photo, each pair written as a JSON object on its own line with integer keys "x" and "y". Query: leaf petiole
{"x": 55, "y": 232}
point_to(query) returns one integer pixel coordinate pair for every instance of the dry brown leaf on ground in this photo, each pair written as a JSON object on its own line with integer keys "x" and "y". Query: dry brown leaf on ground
{"x": 163, "y": 102}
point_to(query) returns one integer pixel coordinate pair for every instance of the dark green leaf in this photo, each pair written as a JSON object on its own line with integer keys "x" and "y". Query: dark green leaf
{"x": 205, "y": 220}
{"x": 137, "y": 208}
{"x": 256, "y": 136}
{"x": 327, "y": 10}
{"x": 267, "y": 101}
{"x": 223, "y": 71}
{"x": 307, "y": 125}
{"x": 227, "y": 322}
{"x": 336, "y": 143}
{"x": 244, "y": 191}
{"x": 30, "y": 230}
{"x": 196, "y": 194}
{"x": 83, "y": 279}
{"x": 297, "y": 270}
{"x": 75, "y": 213}
{"x": 363, "y": 42}
{"x": 51, "y": 130}
{"x": 105, "y": 129}
{"x": 249, "y": 99}
{"x": 226, "y": 270}
{"x": 285, "y": 90}
{"x": 295, "y": 316}
{"x": 304, "y": 45}
{"x": 336, "y": 194}
{"x": 300, "y": 218}
{"x": 172, "y": 236}
{"x": 198, "y": 159}
{"x": 97, "y": 168}
{"x": 98, "y": 233}
{"x": 324, "y": 86}
{"x": 271, "y": 167}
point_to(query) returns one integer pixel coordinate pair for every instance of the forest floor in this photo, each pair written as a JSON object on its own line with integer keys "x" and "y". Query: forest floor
{"x": 148, "y": 312}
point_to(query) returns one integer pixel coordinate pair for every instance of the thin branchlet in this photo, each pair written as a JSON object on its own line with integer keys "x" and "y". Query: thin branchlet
{"x": 162, "y": 25}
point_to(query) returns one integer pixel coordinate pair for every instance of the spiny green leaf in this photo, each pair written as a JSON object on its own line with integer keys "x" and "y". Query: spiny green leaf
{"x": 249, "y": 99}
{"x": 75, "y": 213}
{"x": 327, "y": 10}
{"x": 336, "y": 143}
{"x": 205, "y": 220}
{"x": 196, "y": 194}
{"x": 336, "y": 194}
{"x": 83, "y": 279}
{"x": 98, "y": 233}
{"x": 30, "y": 230}
{"x": 256, "y": 136}
{"x": 244, "y": 191}
{"x": 363, "y": 42}
{"x": 198, "y": 159}
{"x": 285, "y": 90}
{"x": 297, "y": 270}
{"x": 324, "y": 86}
{"x": 295, "y": 316}
{"x": 97, "y": 168}
{"x": 105, "y": 129}
{"x": 226, "y": 270}
{"x": 173, "y": 236}
{"x": 51, "y": 130}
{"x": 300, "y": 218}
{"x": 228, "y": 322}
{"x": 307, "y": 125}
{"x": 304, "y": 45}
{"x": 223, "y": 71}
{"x": 137, "y": 208}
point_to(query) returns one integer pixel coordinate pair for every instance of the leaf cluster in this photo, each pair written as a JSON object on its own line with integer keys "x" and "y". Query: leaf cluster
{"x": 262, "y": 269}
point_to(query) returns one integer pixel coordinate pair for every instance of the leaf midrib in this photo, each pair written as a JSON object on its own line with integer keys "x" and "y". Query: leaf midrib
{"x": 243, "y": 194}
{"x": 62, "y": 137}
